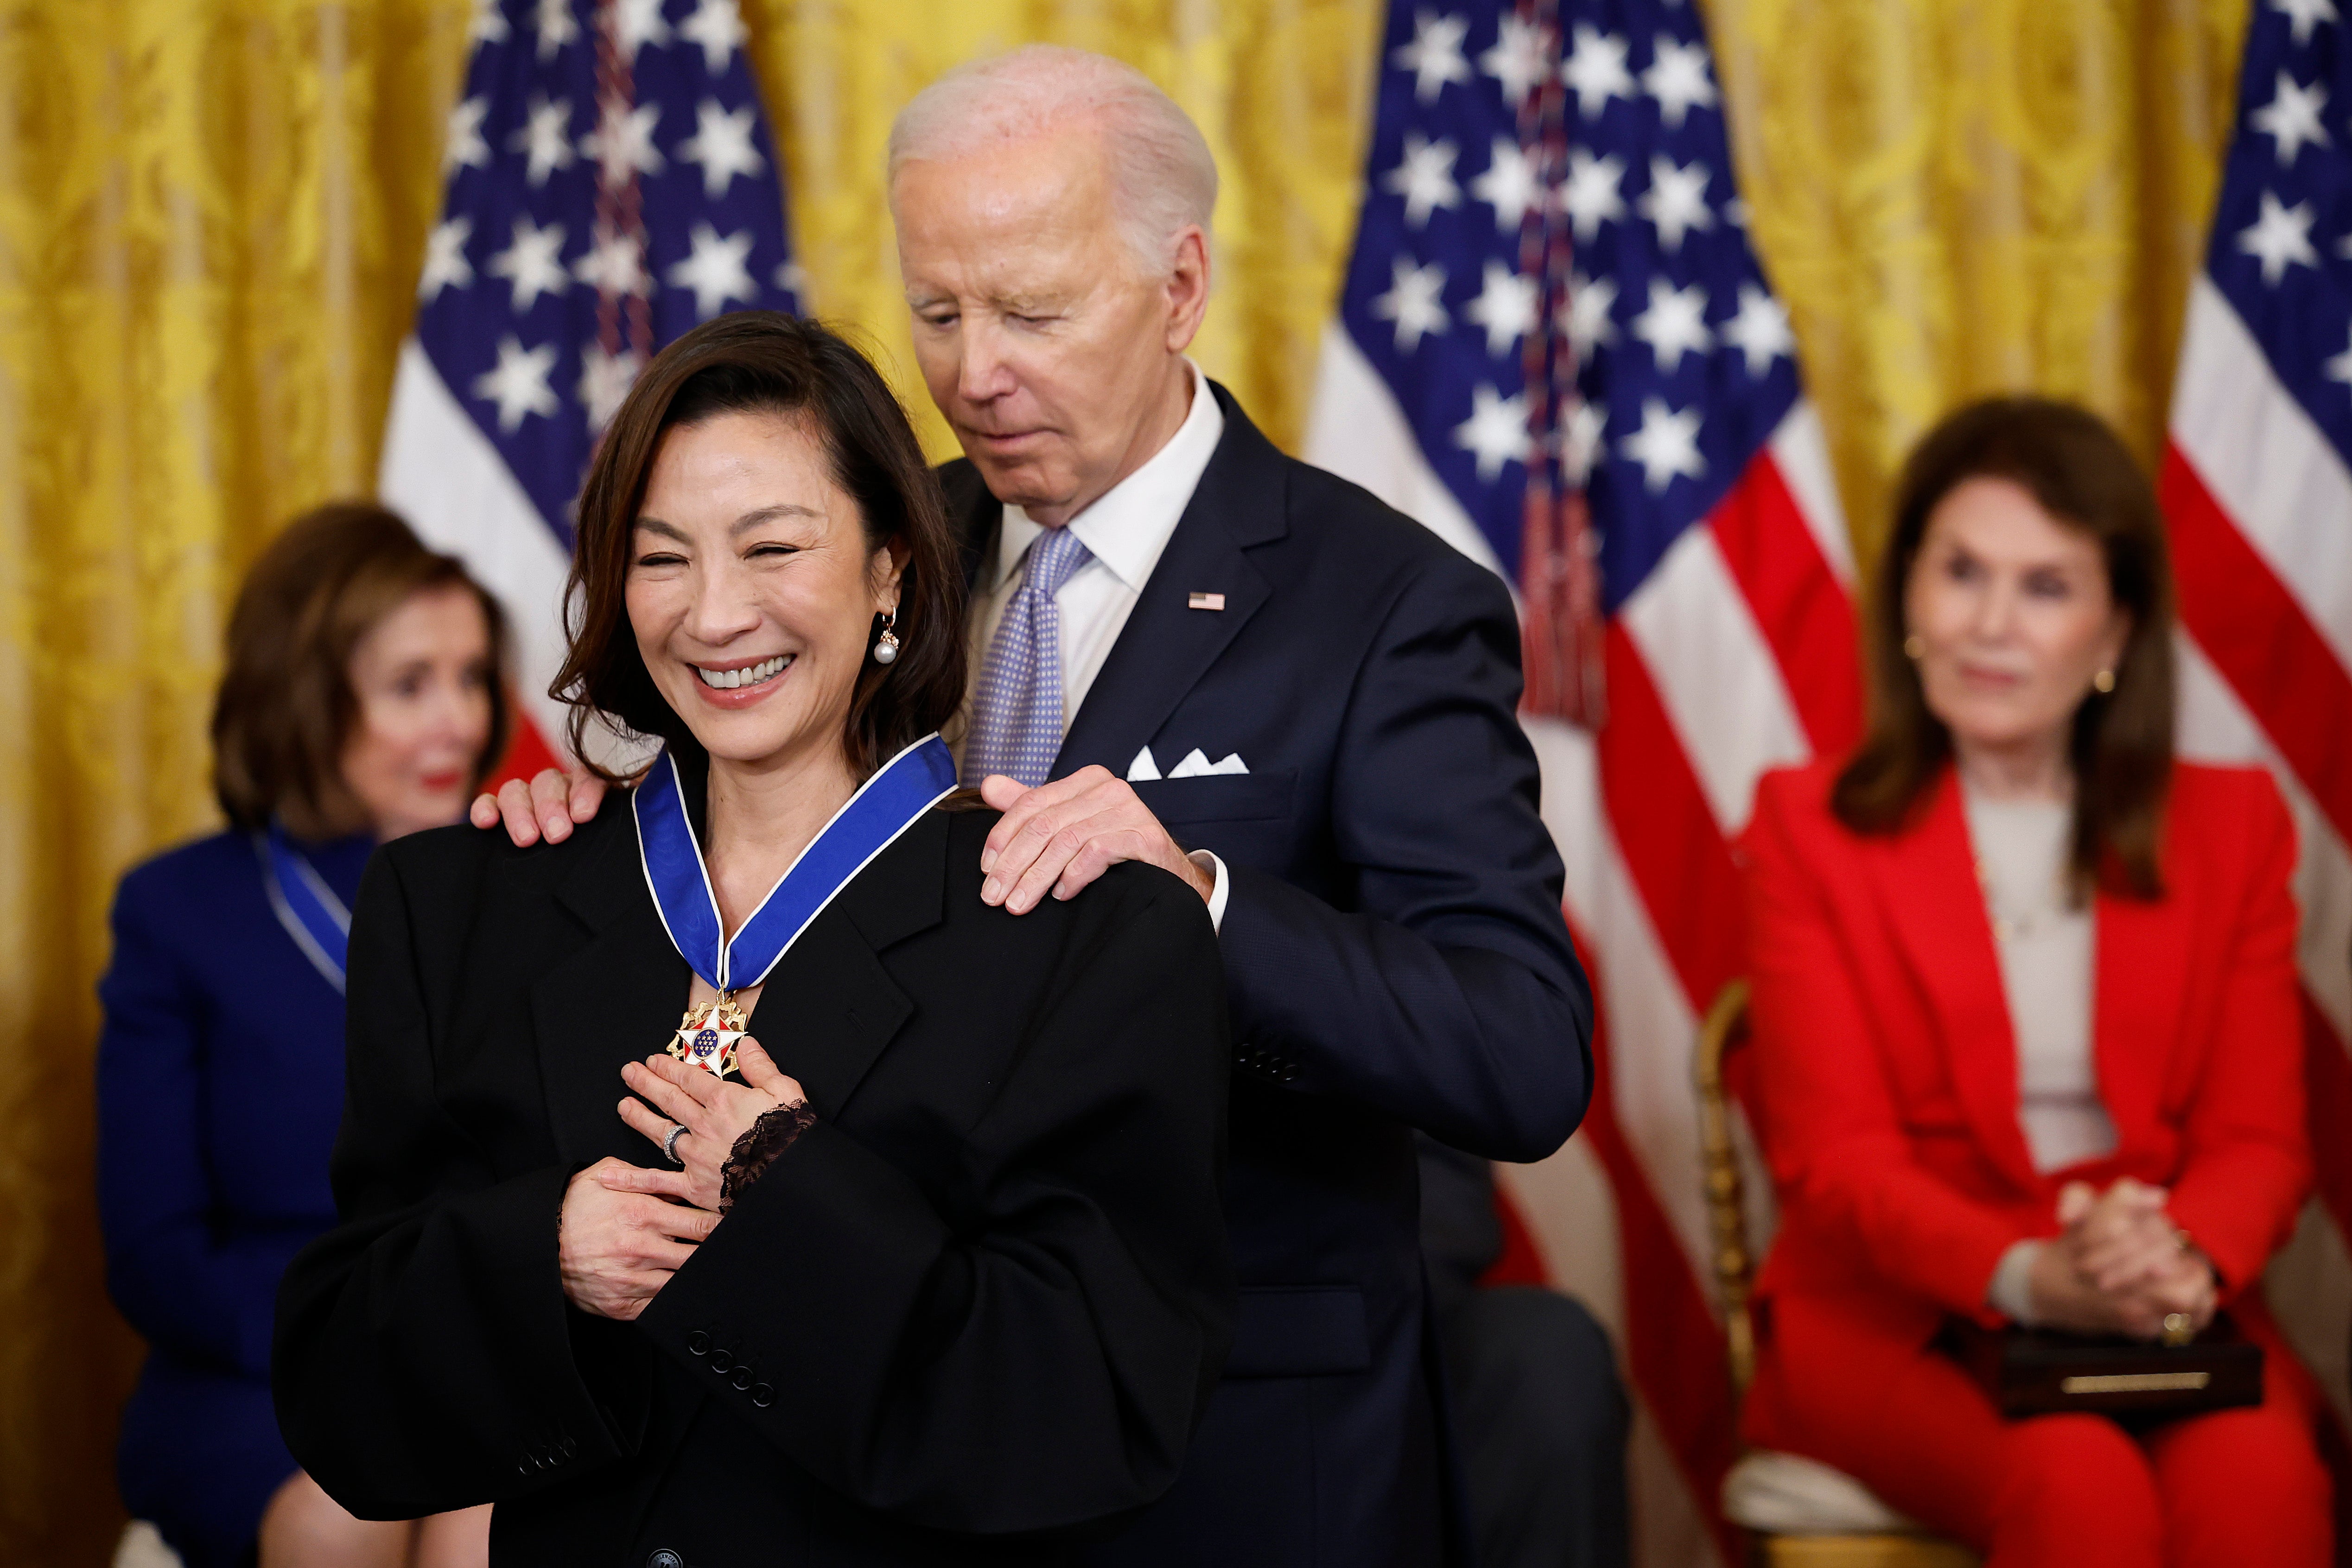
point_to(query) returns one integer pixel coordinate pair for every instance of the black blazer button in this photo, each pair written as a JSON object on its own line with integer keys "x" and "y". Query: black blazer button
{"x": 665, "y": 1558}
{"x": 720, "y": 1362}
{"x": 763, "y": 1395}
{"x": 698, "y": 1344}
{"x": 1289, "y": 1073}
{"x": 742, "y": 1378}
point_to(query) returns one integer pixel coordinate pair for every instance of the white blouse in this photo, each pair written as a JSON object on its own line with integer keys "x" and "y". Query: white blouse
{"x": 2045, "y": 945}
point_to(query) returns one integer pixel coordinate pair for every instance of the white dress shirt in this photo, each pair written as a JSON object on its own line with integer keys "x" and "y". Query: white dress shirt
{"x": 1125, "y": 530}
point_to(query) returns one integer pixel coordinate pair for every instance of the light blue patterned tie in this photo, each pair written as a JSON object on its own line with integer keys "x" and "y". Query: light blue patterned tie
{"x": 1016, "y": 710}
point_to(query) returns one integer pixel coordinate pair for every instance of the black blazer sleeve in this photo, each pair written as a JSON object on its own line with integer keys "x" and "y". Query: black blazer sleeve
{"x": 425, "y": 1356}
{"x": 1036, "y": 1358}
{"x": 1452, "y": 998}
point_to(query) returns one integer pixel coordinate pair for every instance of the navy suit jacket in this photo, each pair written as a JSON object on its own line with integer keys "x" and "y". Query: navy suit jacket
{"x": 220, "y": 1083}
{"x": 1395, "y": 958}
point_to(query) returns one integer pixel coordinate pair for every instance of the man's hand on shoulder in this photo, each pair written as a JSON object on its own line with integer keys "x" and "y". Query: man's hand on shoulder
{"x": 545, "y": 807}
{"x": 1060, "y": 836}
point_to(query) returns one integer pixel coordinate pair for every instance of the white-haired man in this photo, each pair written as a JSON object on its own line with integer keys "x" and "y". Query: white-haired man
{"x": 1195, "y": 651}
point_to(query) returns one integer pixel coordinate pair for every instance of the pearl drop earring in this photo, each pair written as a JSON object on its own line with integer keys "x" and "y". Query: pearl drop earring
{"x": 886, "y": 647}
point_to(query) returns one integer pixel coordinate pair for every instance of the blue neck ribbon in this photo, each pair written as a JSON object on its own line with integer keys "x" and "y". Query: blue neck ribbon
{"x": 305, "y": 905}
{"x": 885, "y": 806}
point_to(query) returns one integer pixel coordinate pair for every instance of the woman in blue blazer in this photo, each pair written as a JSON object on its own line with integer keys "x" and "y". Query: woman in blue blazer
{"x": 361, "y": 701}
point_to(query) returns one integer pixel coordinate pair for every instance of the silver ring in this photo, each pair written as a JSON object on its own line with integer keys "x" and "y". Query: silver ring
{"x": 669, "y": 1144}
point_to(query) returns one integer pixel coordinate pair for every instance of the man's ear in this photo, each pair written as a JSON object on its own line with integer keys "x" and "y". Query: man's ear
{"x": 1188, "y": 288}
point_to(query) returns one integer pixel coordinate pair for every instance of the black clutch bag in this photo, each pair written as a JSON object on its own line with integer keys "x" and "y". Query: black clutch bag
{"x": 2040, "y": 1372}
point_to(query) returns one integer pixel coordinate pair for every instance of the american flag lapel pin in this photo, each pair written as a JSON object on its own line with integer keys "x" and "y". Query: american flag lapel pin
{"x": 1196, "y": 599}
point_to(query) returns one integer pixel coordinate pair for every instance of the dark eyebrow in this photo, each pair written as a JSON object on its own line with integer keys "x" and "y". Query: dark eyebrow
{"x": 770, "y": 514}
{"x": 748, "y": 520}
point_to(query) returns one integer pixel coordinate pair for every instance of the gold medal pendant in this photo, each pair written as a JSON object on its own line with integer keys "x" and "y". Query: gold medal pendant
{"x": 707, "y": 1035}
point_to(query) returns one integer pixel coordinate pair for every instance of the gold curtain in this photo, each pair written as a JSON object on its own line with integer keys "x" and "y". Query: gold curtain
{"x": 211, "y": 215}
{"x": 1962, "y": 197}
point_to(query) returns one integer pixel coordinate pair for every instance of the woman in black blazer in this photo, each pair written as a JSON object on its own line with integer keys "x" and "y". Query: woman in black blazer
{"x": 940, "y": 1275}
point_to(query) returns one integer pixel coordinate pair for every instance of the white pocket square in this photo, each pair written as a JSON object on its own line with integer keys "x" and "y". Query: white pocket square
{"x": 1196, "y": 765}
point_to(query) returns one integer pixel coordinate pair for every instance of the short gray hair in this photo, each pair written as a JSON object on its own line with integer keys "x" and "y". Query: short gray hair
{"x": 1162, "y": 176}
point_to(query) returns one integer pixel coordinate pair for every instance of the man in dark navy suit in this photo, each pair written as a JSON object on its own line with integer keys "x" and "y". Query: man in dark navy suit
{"x": 1196, "y": 652}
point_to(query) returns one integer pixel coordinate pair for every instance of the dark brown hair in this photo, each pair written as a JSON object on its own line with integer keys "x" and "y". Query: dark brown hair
{"x": 285, "y": 706}
{"x": 762, "y": 362}
{"x": 2080, "y": 473}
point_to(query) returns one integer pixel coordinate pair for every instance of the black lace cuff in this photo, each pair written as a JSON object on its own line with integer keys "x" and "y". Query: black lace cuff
{"x": 757, "y": 1149}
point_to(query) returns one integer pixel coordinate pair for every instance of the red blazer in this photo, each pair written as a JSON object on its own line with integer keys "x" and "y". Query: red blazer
{"x": 1885, "y": 1071}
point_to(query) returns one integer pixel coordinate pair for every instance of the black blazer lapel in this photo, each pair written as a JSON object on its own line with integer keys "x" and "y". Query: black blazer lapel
{"x": 615, "y": 1001}
{"x": 830, "y": 1004}
{"x": 1167, "y": 646}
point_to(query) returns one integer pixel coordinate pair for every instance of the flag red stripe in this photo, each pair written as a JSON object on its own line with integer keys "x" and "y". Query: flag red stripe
{"x": 1673, "y": 850}
{"x": 2262, "y": 642}
{"x": 1799, "y": 603}
{"x": 527, "y": 750}
{"x": 1673, "y": 1347}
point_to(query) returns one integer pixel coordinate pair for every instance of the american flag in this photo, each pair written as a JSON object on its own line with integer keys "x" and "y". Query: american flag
{"x": 1556, "y": 347}
{"x": 611, "y": 183}
{"x": 2257, "y": 485}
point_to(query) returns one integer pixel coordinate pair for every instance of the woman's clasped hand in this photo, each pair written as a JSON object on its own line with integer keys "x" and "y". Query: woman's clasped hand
{"x": 626, "y": 1229}
{"x": 2120, "y": 1266}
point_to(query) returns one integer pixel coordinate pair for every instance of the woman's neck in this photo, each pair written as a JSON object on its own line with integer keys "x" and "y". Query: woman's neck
{"x": 2034, "y": 769}
{"x": 762, "y": 815}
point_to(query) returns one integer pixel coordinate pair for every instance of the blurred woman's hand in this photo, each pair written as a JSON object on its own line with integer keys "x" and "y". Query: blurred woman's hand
{"x": 2120, "y": 1266}
{"x": 546, "y": 808}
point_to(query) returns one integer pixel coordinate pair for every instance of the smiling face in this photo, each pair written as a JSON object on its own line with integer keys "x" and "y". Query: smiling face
{"x": 421, "y": 675}
{"x": 2014, "y": 616}
{"x": 1055, "y": 359}
{"x": 751, "y": 591}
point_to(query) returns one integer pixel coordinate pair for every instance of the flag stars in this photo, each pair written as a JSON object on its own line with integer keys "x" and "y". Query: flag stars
{"x": 615, "y": 264}
{"x": 2339, "y": 368}
{"x": 1508, "y": 185}
{"x": 1589, "y": 323}
{"x": 531, "y": 262}
{"x": 1595, "y": 70}
{"x": 2305, "y": 14}
{"x": 722, "y": 143}
{"x": 1579, "y": 443}
{"x": 1506, "y": 308}
{"x": 1414, "y": 302}
{"x": 1666, "y": 446}
{"x": 488, "y": 25}
{"x": 638, "y": 23}
{"x": 1515, "y": 60}
{"x": 1591, "y": 196}
{"x": 715, "y": 270}
{"x": 1435, "y": 56}
{"x": 1675, "y": 202}
{"x": 1675, "y": 324}
{"x": 518, "y": 384}
{"x": 545, "y": 139}
{"x": 2280, "y": 238}
{"x": 1424, "y": 177}
{"x": 465, "y": 148}
{"x": 1678, "y": 79}
{"x": 623, "y": 142}
{"x": 2291, "y": 118}
{"x": 557, "y": 26}
{"x": 446, "y": 265}
{"x": 716, "y": 28}
{"x": 605, "y": 382}
{"x": 1760, "y": 330}
{"x": 1496, "y": 430}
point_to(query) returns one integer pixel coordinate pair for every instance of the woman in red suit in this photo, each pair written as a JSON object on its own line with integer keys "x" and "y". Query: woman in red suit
{"x": 2028, "y": 1045}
